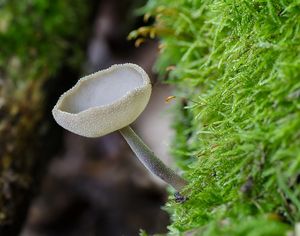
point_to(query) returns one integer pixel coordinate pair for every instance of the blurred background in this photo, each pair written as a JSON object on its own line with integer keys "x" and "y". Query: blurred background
{"x": 53, "y": 182}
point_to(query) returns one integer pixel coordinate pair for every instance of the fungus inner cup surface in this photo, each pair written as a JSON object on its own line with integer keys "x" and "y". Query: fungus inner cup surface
{"x": 105, "y": 101}
{"x": 102, "y": 90}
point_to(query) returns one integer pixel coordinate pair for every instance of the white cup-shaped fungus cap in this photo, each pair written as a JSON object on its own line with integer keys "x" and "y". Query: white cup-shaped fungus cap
{"x": 105, "y": 101}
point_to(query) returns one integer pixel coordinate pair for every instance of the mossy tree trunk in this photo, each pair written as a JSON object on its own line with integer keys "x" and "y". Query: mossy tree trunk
{"x": 40, "y": 48}
{"x": 236, "y": 66}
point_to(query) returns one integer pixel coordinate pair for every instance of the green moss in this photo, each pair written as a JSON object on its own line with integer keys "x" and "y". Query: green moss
{"x": 37, "y": 34}
{"x": 237, "y": 63}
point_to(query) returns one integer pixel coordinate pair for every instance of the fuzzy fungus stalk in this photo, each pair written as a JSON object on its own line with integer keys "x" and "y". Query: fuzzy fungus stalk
{"x": 150, "y": 161}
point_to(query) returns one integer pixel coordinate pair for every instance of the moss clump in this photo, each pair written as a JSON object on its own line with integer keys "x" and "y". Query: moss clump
{"x": 38, "y": 35}
{"x": 237, "y": 63}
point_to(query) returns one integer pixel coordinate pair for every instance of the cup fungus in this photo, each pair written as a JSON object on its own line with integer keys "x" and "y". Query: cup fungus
{"x": 111, "y": 100}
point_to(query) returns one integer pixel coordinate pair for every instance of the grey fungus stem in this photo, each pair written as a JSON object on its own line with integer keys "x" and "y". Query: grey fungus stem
{"x": 150, "y": 161}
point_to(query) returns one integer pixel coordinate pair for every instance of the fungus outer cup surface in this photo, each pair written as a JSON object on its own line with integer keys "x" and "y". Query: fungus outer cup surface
{"x": 105, "y": 101}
